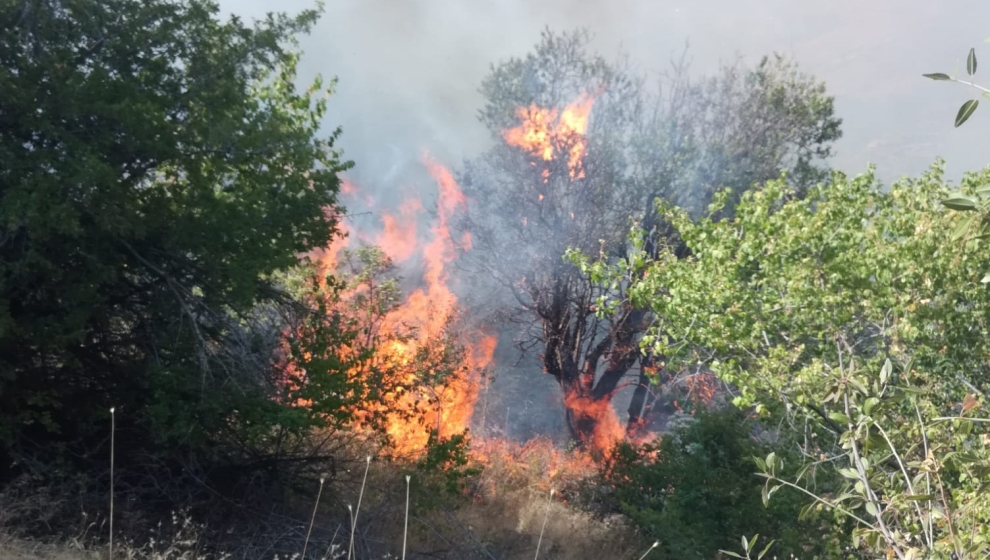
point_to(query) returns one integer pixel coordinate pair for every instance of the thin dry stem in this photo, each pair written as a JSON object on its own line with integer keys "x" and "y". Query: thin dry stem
{"x": 312, "y": 518}
{"x": 113, "y": 431}
{"x": 545, "y": 517}
{"x": 405, "y": 530}
{"x": 649, "y": 550}
{"x": 350, "y": 548}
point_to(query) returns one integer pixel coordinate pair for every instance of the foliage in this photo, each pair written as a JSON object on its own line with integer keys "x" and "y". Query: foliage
{"x": 969, "y": 107}
{"x": 977, "y": 202}
{"x": 445, "y": 470}
{"x": 851, "y": 316}
{"x": 157, "y": 168}
{"x": 682, "y": 140}
{"x": 695, "y": 491}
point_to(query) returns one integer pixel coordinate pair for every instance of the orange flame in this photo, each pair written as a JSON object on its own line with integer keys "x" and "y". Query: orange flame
{"x": 398, "y": 237}
{"x": 607, "y": 430}
{"x": 424, "y": 317}
{"x": 542, "y": 132}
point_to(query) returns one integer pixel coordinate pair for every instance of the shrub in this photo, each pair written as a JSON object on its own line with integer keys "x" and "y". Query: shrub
{"x": 696, "y": 491}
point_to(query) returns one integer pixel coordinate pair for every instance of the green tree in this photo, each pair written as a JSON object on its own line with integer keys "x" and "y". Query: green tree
{"x": 157, "y": 167}
{"x": 851, "y": 319}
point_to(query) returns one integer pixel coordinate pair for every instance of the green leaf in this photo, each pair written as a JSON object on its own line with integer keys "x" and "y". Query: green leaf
{"x": 870, "y": 404}
{"x": 730, "y": 553}
{"x": 858, "y": 386}
{"x": 938, "y": 76}
{"x": 919, "y": 498}
{"x": 960, "y": 202}
{"x": 839, "y": 417}
{"x": 971, "y": 62}
{"x": 986, "y": 278}
{"x": 885, "y": 371}
{"x": 964, "y": 226}
{"x": 871, "y": 508}
{"x": 765, "y": 549}
{"x": 966, "y": 111}
{"x": 849, "y": 473}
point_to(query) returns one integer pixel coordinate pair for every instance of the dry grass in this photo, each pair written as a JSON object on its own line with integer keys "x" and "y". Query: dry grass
{"x": 180, "y": 541}
{"x": 13, "y": 549}
{"x": 508, "y": 507}
{"x": 504, "y": 513}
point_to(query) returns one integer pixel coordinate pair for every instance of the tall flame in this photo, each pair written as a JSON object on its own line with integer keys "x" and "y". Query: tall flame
{"x": 424, "y": 317}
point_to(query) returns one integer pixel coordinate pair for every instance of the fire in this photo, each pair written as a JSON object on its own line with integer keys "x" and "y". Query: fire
{"x": 543, "y": 132}
{"x": 606, "y": 429}
{"x": 398, "y": 235}
{"x": 435, "y": 392}
{"x": 416, "y": 331}
{"x": 328, "y": 257}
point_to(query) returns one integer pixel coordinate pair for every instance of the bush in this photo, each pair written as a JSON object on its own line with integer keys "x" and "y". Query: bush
{"x": 696, "y": 491}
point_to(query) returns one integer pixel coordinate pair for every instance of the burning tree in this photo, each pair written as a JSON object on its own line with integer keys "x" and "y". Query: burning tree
{"x": 414, "y": 362}
{"x": 583, "y": 146}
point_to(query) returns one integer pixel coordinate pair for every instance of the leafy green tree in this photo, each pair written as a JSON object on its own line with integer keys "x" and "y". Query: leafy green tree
{"x": 850, "y": 318}
{"x": 157, "y": 168}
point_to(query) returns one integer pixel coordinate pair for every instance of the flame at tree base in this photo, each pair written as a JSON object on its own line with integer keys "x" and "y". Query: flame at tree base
{"x": 595, "y": 421}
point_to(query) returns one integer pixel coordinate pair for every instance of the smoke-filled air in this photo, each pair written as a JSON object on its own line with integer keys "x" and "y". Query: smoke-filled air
{"x": 374, "y": 279}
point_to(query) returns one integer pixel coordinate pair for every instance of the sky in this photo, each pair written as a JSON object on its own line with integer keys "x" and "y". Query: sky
{"x": 409, "y": 69}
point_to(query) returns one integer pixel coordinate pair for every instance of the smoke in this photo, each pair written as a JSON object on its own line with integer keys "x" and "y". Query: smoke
{"x": 409, "y": 72}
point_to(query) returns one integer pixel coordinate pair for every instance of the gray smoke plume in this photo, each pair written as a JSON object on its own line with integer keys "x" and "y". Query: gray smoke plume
{"x": 409, "y": 72}
{"x": 409, "y": 69}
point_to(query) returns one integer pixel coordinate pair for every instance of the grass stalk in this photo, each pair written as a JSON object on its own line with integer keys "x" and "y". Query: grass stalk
{"x": 649, "y": 550}
{"x": 312, "y": 518}
{"x": 357, "y": 510}
{"x": 113, "y": 434}
{"x": 545, "y": 517}
{"x": 405, "y": 530}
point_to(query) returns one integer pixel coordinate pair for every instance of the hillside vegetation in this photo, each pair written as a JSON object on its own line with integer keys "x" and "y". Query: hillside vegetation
{"x": 214, "y": 344}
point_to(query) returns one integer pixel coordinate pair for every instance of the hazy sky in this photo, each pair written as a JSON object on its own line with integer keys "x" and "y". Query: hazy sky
{"x": 409, "y": 69}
